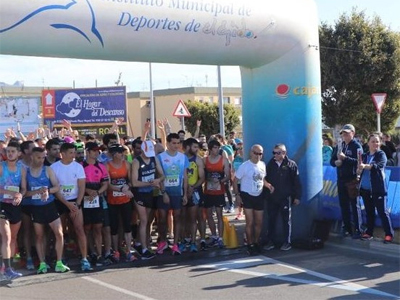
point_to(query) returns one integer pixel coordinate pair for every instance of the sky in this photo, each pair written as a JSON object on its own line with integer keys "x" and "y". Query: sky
{"x": 39, "y": 71}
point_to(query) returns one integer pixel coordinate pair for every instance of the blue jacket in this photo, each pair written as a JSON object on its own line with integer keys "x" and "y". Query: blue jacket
{"x": 377, "y": 172}
{"x": 348, "y": 170}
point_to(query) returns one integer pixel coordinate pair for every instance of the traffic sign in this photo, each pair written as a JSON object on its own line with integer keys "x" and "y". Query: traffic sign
{"x": 181, "y": 110}
{"x": 379, "y": 100}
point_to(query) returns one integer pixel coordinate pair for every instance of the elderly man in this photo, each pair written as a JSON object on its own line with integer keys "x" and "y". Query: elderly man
{"x": 345, "y": 158}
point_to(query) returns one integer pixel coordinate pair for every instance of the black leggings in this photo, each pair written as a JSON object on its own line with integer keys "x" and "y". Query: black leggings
{"x": 123, "y": 211}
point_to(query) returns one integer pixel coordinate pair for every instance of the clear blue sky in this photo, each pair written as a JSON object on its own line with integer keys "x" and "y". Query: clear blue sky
{"x": 46, "y": 71}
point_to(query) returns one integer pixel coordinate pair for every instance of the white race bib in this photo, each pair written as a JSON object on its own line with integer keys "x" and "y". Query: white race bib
{"x": 171, "y": 181}
{"x": 11, "y": 188}
{"x": 94, "y": 203}
{"x": 36, "y": 196}
{"x": 68, "y": 190}
{"x": 118, "y": 194}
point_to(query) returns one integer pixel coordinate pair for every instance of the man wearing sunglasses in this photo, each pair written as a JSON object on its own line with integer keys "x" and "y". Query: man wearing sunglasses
{"x": 252, "y": 181}
{"x": 283, "y": 175}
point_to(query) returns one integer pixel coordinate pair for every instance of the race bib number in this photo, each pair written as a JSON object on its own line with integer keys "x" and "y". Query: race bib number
{"x": 118, "y": 194}
{"x": 149, "y": 178}
{"x": 11, "y": 188}
{"x": 68, "y": 190}
{"x": 94, "y": 203}
{"x": 257, "y": 186}
{"x": 171, "y": 181}
{"x": 36, "y": 196}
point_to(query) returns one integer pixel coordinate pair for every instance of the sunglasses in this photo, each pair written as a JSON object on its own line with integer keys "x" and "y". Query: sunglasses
{"x": 276, "y": 152}
{"x": 258, "y": 153}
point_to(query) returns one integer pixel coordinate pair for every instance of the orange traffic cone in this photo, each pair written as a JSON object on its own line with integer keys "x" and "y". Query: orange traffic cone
{"x": 225, "y": 236}
{"x": 232, "y": 238}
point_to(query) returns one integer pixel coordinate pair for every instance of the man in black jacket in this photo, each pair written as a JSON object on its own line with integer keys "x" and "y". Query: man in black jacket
{"x": 283, "y": 175}
{"x": 345, "y": 158}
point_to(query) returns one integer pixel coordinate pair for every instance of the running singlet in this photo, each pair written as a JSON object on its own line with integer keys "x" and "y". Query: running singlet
{"x": 68, "y": 176}
{"x": 193, "y": 171}
{"x": 96, "y": 174}
{"x": 118, "y": 177}
{"x": 10, "y": 181}
{"x": 214, "y": 173}
{"x": 35, "y": 183}
{"x": 174, "y": 168}
{"x": 146, "y": 173}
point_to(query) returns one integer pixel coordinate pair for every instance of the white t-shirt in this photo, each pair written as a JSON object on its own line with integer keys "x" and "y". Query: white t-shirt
{"x": 251, "y": 177}
{"x": 68, "y": 176}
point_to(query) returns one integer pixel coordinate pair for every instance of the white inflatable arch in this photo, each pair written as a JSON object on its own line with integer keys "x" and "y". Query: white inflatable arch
{"x": 275, "y": 43}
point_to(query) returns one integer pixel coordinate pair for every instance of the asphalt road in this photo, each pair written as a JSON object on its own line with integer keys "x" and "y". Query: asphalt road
{"x": 338, "y": 271}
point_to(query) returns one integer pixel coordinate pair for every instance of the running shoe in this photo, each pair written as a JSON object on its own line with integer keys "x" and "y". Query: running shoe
{"x": 175, "y": 250}
{"x": 11, "y": 274}
{"x": 251, "y": 250}
{"x": 147, "y": 254}
{"x": 29, "y": 264}
{"x": 130, "y": 257}
{"x": 85, "y": 265}
{"x": 286, "y": 247}
{"x": 269, "y": 246}
{"x": 231, "y": 210}
{"x": 213, "y": 243}
{"x": 182, "y": 246}
{"x": 203, "y": 245}
{"x": 108, "y": 260}
{"x": 42, "y": 268}
{"x": 220, "y": 243}
{"x": 116, "y": 256}
{"x": 61, "y": 268}
{"x": 193, "y": 248}
{"x": 17, "y": 258}
{"x": 161, "y": 247}
{"x": 4, "y": 279}
{"x": 366, "y": 237}
{"x": 100, "y": 261}
{"x": 388, "y": 239}
{"x": 138, "y": 248}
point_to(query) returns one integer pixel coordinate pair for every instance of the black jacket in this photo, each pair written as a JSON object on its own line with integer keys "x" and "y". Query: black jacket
{"x": 348, "y": 170}
{"x": 285, "y": 179}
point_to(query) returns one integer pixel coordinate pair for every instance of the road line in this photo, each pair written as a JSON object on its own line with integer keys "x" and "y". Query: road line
{"x": 237, "y": 266}
{"x": 117, "y": 289}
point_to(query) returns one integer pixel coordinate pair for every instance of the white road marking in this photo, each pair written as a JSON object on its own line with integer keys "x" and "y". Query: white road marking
{"x": 117, "y": 289}
{"x": 235, "y": 266}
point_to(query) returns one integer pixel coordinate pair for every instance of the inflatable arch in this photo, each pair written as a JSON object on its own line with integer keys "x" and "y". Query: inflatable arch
{"x": 275, "y": 43}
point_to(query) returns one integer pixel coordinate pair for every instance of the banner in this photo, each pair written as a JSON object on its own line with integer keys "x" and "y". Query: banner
{"x": 25, "y": 110}
{"x": 82, "y": 107}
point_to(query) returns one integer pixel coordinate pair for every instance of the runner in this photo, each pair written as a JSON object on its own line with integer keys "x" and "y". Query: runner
{"x": 174, "y": 187}
{"x": 71, "y": 177}
{"x": 195, "y": 194}
{"x": 12, "y": 189}
{"x": 42, "y": 184}
{"x": 144, "y": 170}
{"x": 119, "y": 200}
{"x": 217, "y": 172}
{"x": 93, "y": 213}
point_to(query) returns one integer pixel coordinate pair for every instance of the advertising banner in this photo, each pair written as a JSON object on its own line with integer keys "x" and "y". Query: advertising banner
{"x": 25, "y": 110}
{"x": 85, "y": 107}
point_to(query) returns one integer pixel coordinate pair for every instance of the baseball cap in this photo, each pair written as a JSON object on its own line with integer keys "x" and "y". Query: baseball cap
{"x": 148, "y": 149}
{"x": 116, "y": 148}
{"x": 238, "y": 141}
{"x": 92, "y": 146}
{"x": 348, "y": 128}
{"x": 69, "y": 140}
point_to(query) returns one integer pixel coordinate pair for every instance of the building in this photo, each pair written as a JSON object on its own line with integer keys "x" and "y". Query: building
{"x": 165, "y": 102}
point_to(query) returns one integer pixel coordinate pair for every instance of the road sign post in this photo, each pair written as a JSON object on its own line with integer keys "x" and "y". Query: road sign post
{"x": 379, "y": 100}
{"x": 181, "y": 112}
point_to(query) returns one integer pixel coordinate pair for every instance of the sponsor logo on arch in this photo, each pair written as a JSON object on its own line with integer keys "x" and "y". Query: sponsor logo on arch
{"x": 284, "y": 90}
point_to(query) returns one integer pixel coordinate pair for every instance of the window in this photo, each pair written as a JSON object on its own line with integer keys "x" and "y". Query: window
{"x": 238, "y": 100}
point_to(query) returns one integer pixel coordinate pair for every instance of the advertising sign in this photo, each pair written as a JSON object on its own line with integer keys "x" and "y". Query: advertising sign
{"x": 85, "y": 107}
{"x": 25, "y": 110}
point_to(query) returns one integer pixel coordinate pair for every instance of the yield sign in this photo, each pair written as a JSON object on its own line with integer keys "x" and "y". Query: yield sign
{"x": 379, "y": 100}
{"x": 181, "y": 110}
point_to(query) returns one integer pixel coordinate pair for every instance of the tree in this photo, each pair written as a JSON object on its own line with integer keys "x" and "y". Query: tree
{"x": 359, "y": 57}
{"x": 209, "y": 115}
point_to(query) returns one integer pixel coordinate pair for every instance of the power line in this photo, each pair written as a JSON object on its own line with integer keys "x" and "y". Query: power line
{"x": 340, "y": 49}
